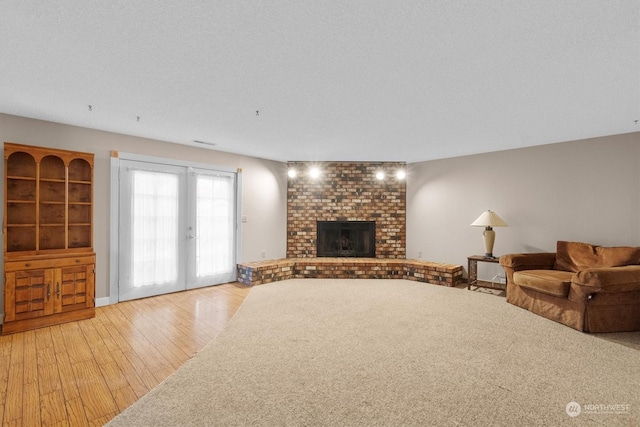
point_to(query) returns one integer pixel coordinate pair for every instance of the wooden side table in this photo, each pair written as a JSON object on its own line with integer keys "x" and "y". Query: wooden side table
{"x": 472, "y": 271}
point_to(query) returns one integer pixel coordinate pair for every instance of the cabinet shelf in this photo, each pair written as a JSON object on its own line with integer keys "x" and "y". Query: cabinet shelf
{"x": 22, "y": 178}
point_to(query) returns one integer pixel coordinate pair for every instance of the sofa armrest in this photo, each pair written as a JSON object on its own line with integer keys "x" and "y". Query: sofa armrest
{"x": 609, "y": 279}
{"x": 534, "y": 261}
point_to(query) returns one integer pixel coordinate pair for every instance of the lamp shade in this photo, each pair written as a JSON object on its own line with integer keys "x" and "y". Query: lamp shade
{"x": 489, "y": 219}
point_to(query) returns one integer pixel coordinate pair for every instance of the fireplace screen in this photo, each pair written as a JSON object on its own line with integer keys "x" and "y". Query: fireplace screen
{"x": 346, "y": 239}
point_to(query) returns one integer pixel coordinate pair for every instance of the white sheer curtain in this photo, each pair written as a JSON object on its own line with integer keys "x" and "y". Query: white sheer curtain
{"x": 177, "y": 227}
{"x": 214, "y": 224}
{"x": 155, "y": 228}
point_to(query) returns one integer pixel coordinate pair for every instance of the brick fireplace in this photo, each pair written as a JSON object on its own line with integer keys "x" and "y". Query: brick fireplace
{"x": 347, "y": 191}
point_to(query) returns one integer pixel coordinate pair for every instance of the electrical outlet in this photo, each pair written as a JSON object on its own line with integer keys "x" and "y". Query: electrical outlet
{"x": 244, "y": 219}
{"x": 419, "y": 254}
{"x": 264, "y": 254}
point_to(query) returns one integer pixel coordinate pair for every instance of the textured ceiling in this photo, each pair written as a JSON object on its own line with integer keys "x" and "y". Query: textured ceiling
{"x": 408, "y": 80}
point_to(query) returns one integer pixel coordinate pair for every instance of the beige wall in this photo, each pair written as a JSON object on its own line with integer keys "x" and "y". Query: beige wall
{"x": 264, "y": 182}
{"x": 585, "y": 190}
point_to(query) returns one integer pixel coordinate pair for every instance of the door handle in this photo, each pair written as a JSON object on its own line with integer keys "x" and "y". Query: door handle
{"x": 58, "y": 290}
{"x": 48, "y": 291}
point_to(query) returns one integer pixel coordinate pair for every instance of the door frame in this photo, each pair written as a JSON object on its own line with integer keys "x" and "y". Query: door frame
{"x": 114, "y": 206}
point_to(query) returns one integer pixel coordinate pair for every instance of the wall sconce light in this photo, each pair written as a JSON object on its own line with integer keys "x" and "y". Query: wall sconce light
{"x": 314, "y": 173}
{"x": 401, "y": 174}
{"x": 292, "y": 173}
{"x": 380, "y": 175}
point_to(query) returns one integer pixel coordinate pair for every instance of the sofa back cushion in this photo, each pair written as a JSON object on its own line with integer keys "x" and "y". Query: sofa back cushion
{"x": 577, "y": 256}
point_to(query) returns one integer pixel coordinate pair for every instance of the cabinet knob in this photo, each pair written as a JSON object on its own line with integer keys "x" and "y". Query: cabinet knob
{"x": 28, "y": 264}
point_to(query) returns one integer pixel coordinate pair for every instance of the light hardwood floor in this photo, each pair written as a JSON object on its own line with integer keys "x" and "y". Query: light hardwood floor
{"x": 87, "y": 372}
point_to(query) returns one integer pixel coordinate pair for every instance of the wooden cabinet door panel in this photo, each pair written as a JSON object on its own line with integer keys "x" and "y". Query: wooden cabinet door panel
{"x": 74, "y": 283}
{"x": 30, "y": 293}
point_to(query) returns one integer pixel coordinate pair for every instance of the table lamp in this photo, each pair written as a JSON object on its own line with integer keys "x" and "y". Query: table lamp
{"x": 489, "y": 220}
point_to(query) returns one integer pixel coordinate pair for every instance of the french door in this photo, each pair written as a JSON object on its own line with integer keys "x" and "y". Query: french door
{"x": 177, "y": 228}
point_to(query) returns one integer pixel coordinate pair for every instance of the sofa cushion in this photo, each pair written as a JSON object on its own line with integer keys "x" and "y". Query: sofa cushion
{"x": 577, "y": 256}
{"x": 550, "y": 282}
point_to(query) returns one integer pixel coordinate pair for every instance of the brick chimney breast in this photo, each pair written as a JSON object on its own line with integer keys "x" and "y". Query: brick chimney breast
{"x": 347, "y": 191}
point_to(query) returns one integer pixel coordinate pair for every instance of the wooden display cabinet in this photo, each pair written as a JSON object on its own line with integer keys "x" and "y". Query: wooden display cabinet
{"x": 49, "y": 263}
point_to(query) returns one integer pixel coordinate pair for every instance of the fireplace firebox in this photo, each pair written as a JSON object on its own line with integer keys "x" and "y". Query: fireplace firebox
{"x": 346, "y": 239}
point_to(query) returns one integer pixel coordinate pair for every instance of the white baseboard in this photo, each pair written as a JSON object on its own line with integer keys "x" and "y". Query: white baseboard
{"x": 101, "y": 302}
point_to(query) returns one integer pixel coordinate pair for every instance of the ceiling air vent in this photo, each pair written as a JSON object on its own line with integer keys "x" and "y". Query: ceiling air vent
{"x": 206, "y": 143}
{"x": 210, "y": 144}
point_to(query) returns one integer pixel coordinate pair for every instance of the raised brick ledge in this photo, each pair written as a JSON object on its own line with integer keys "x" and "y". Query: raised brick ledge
{"x": 267, "y": 271}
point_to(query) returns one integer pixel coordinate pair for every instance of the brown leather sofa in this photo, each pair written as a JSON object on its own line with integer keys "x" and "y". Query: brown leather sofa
{"x": 587, "y": 287}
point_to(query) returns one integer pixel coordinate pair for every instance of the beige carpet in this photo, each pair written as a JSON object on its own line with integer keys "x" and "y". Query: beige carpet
{"x": 320, "y": 352}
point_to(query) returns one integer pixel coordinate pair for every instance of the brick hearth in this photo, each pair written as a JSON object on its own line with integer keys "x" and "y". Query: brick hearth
{"x": 261, "y": 272}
